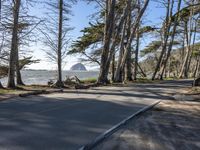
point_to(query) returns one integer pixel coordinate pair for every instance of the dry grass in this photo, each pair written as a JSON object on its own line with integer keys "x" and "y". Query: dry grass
{"x": 190, "y": 90}
{"x": 24, "y": 89}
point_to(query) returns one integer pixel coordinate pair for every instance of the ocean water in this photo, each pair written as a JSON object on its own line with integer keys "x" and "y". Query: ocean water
{"x": 43, "y": 76}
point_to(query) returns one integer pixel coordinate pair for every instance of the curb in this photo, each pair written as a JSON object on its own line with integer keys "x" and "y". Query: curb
{"x": 8, "y": 97}
{"x": 110, "y": 131}
{"x": 40, "y": 92}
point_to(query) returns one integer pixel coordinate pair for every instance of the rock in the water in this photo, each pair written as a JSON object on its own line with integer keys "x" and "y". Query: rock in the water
{"x": 78, "y": 67}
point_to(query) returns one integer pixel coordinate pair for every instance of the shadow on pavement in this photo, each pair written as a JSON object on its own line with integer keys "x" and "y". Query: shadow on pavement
{"x": 40, "y": 123}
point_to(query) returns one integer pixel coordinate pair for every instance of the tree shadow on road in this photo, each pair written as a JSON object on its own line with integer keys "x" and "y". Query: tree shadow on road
{"x": 45, "y": 123}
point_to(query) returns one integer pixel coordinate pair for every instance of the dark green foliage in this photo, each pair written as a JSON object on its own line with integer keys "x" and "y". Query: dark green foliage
{"x": 27, "y": 61}
{"x": 146, "y": 29}
{"x": 196, "y": 50}
{"x": 22, "y": 63}
{"x": 91, "y": 35}
{"x": 151, "y": 48}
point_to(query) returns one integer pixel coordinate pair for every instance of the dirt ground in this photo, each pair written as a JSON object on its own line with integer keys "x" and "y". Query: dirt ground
{"x": 171, "y": 125}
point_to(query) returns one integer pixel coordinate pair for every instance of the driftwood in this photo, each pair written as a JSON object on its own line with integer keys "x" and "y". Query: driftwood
{"x": 57, "y": 84}
{"x": 72, "y": 80}
{"x": 50, "y": 82}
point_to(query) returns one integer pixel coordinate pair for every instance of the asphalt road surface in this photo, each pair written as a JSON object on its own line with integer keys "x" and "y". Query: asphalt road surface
{"x": 69, "y": 120}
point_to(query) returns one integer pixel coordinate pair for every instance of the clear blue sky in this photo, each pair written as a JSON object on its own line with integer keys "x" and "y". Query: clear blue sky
{"x": 80, "y": 19}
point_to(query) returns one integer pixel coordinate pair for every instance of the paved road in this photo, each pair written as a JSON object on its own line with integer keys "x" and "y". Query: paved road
{"x": 69, "y": 120}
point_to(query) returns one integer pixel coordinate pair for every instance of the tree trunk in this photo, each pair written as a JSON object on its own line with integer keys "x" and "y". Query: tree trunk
{"x": 118, "y": 72}
{"x": 108, "y": 31}
{"x": 166, "y": 29}
{"x": 12, "y": 60}
{"x": 136, "y": 54}
{"x": 139, "y": 67}
{"x": 182, "y": 51}
{"x": 18, "y": 73}
{"x": 0, "y": 9}
{"x": 196, "y": 81}
{"x": 183, "y": 72}
{"x": 130, "y": 39}
{"x": 192, "y": 48}
{"x": 171, "y": 42}
{"x": 113, "y": 67}
{"x": 1, "y": 86}
{"x": 116, "y": 36}
{"x": 59, "y": 82}
{"x": 128, "y": 68}
{"x": 196, "y": 67}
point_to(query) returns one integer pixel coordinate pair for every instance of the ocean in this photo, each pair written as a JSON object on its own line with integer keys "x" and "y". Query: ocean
{"x": 43, "y": 76}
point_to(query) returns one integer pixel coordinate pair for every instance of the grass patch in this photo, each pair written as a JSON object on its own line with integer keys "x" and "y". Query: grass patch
{"x": 170, "y": 78}
{"x": 11, "y": 91}
{"x": 34, "y": 87}
{"x": 23, "y": 89}
{"x": 89, "y": 80}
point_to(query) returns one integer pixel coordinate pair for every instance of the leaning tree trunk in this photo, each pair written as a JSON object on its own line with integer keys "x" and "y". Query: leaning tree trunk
{"x": 116, "y": 36}
{"x": 166, "y": 30}
{"x": 192, "y": 48}
{"x": 183, "y": 72}
{"x": 12, "y": 60}
{"x": 108, "y": 31}
{"x": 115, "y": 39}
{"x": 171, "y": 42}
{"x": 59, "y": 82}
{"x": 136, "y": 54}
{"x": 118, "y": 72}
{"x": 132, "y": 35}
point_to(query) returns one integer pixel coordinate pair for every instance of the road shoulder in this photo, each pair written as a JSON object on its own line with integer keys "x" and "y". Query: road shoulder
{"x": 170, "y": 125}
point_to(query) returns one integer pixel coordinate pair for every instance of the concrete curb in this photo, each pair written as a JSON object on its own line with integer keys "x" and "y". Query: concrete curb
{"x": 8, "y": 97}
{"x": 110, "y": 131}
{"x": 40, "y": 92}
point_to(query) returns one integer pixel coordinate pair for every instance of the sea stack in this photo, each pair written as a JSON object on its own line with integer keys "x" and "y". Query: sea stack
{"x": 78, "y": 67}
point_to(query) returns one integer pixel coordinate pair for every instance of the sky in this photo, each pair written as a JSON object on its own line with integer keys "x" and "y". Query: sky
{"x": 80, "y": 19}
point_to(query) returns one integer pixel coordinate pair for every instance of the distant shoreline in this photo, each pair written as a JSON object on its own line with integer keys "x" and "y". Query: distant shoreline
{"x": 63, "y": 70}
{"x": 32, "y": 76}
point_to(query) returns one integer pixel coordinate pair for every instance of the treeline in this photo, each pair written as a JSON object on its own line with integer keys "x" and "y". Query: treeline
{"x": 173, "y": 50}
{"x": 20, "y": 27}
{"x": 113, "y": 40}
